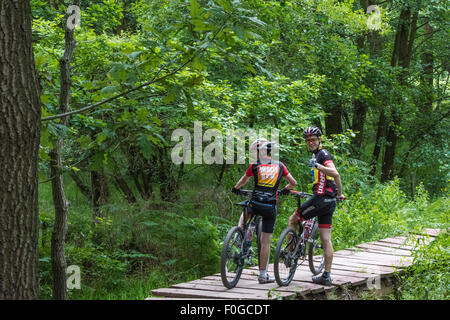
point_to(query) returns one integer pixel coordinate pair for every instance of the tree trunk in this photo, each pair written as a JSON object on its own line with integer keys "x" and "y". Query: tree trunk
{"x": 61, "y": 204}
{"x": 333, "y": 121}
{"x": 96, "y": 197}
{"x": 85, "y": 189}
{"x": 427, "y": 75}
{"x": 381, "y": 133}
{"x": 121, "y": 184}
{"x": 406, "y": 33}
{"x": 20, "y": 114}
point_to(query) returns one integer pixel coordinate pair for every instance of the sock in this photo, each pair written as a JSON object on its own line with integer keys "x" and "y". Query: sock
{"x": 262, "y": 273}
{"x": 326, "y": 274}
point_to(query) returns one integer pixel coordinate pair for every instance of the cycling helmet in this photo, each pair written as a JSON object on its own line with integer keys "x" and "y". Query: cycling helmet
{"x": 311, "y": 131}
{"x": 257, "y": 143}
{"x": 267, "y": 145}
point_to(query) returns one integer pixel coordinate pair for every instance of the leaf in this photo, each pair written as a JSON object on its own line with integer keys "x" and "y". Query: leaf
{"x": 169, "y": 262}
{"x": 256, "y": 21}
{"x": 151, "y": 224}
{"x": 145, "y": 145}
{"x": 119, "y": 71}
{"x": 134, "y": 55}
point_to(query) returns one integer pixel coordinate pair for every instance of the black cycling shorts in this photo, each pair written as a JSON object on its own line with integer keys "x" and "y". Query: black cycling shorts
{"x": 268, "y": 214}
{"x": 321, "y": 207}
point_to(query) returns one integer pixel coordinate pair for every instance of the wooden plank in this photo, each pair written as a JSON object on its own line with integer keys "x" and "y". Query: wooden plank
{"x": 391, "y": 246}
{"x": 254, "y": 284}
{"x": 428, "y": 232}
{"x": 346, "y": 272}
{"x": 364, "y": 262}
{"x": 253, "y": 289}
{"x": 363, "y": 268}
{"x": 302, "y": 278}
{"x": 381, "y": 258}
{"x": 391, "y": 251}
{"x": 193, "y": 293}
{"x": 207, "y": 287}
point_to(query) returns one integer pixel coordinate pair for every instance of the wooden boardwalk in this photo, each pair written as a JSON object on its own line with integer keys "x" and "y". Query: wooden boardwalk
{"x": 364, "y": 265}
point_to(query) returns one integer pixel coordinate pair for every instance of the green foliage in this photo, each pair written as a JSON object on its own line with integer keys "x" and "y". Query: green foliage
{"x": 370, "y": 216}
{"x": 429, "y": 276}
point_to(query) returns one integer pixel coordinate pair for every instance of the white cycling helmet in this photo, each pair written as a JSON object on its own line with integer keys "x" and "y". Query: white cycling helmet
{"x": 260, "y": 144}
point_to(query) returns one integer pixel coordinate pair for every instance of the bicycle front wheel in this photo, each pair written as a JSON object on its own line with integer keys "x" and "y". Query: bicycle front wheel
{"x": 232, "y": 263}
{"x": 315, "y": 252}
{"x": 285, "y": 261}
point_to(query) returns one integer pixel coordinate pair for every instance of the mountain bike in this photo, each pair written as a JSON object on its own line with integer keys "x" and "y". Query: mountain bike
{"x": 293, "y": 248}
{"x": 238, "y": 250}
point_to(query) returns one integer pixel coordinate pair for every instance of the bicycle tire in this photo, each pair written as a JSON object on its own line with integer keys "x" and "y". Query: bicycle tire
{"x": 231, "y": 253}
{"x": 284, "y": 263}
{"x": 316, "y": 262}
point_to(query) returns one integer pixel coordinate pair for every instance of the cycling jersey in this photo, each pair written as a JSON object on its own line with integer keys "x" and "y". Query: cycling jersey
{"x": 267, "y": 177}
{"x": 323, "y": 184}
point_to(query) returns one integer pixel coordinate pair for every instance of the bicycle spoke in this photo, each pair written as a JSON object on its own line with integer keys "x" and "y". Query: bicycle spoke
{"x": 231, "y": 260}
{"x": 285, "y": 260}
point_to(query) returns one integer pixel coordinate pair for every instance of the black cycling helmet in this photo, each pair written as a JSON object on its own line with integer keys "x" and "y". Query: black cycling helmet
{"x": 312, "y": 131}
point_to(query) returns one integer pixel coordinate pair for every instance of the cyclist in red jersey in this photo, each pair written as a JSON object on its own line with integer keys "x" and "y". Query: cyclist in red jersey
{"x": 327, "y": 188}
{"x": 267, "y": 175}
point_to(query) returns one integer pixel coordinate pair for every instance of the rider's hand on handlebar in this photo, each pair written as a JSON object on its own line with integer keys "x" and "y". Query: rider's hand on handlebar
{"x": 284, "y": 191}
{"x": 341, "y": 197}
{"x": 235, "y": 191}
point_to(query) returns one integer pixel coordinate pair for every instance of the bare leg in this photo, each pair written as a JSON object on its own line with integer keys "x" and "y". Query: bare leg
{"x": 325, "y": 237}
{"x": 293, "y": 221}
{"x": 265, "y": 250}
{"x": 241, "y": 221}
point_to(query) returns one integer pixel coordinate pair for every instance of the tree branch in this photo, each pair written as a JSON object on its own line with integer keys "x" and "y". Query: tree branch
{"x": 138, "y": 87}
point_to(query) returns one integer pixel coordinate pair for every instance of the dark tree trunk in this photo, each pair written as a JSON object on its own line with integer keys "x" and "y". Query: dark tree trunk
{"x": 97, "y": 201}
{"x": 20, "y": 114}
{"x": 381, "y": 133}
{"x": 406, "y": 33}
{"x": 333, "y": 121}
{"x": 359, "y": 115}
{"x": 427, "y": 75}
{"x": 84, "y": 188}
{"x": 121, "y": 184}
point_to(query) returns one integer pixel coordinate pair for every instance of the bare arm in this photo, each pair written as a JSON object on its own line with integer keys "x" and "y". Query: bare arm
{"x": 242, "y": 181}
{"x": 330, "y": 170}
{"x": 291, "y": 182}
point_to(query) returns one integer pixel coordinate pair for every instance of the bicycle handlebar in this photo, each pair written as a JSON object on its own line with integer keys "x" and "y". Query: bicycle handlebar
{"x": 298, "y": 194}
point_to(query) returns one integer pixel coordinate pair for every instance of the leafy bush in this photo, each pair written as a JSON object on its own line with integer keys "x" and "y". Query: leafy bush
{"x": 429, "y": 276}
{"x": 372, "y": 216}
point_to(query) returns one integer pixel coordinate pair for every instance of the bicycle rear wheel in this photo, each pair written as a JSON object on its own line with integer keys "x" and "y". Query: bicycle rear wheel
{"x": 285, "y": 261}
{"x": 315, "y": 252}
{"x": 232, "y": 263}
